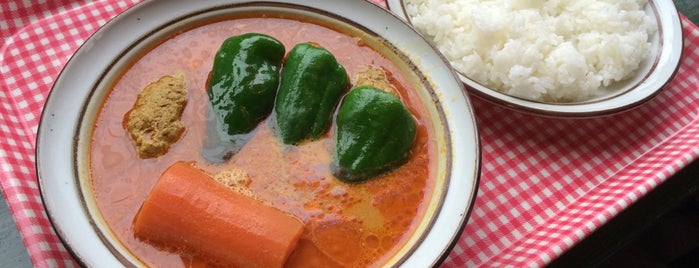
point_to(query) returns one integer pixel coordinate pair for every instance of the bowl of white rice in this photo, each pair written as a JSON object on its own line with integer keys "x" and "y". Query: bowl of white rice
{"x": 559, "y": 58}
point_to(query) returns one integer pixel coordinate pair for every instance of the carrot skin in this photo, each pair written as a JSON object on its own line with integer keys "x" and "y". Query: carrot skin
{"x": 188, "y": 212}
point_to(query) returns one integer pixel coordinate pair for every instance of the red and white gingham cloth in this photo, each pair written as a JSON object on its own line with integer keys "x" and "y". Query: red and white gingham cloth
{"x": 546, "y": 183}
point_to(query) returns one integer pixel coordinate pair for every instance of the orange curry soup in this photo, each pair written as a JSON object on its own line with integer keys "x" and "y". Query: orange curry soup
{"x": 350, "y": 225}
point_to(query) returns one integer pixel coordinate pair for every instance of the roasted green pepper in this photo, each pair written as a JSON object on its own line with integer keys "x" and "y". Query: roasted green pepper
{"x": 311, "y": 86}
{"x": 375, "y": 133}
{"x": 242, "y": 86}
{"x": 244, "y": 80}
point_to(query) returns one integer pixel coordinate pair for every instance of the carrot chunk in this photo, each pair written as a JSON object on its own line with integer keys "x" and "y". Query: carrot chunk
{"x": 190, "y": 213}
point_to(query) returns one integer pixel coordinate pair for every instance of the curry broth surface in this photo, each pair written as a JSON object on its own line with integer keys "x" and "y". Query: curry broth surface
{"x": 345, "y": 224}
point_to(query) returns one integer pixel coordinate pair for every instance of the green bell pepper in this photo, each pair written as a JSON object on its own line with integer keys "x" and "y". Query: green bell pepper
{"x": 375, "y": 133}
{"x": 311, "y": 86}
{"x": 244, "y": 80}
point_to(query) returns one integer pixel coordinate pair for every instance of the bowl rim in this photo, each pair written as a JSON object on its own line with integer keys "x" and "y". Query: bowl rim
{"x": 664, "y": 68}
{"x": 61, "y": 158}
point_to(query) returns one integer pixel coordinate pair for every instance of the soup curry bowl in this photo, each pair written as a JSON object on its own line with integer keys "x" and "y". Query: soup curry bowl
{"x": 94, "y": 182}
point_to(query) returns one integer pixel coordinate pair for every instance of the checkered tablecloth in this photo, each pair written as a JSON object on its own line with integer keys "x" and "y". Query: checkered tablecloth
{"x": 546, "y": 183}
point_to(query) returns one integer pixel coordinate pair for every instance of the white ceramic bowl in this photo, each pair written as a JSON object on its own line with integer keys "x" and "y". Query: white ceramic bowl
{"x": 71, "y": 109}
{"x": 652, "y": 76}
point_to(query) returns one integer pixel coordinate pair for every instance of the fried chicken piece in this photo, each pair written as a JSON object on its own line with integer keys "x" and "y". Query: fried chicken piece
{"x": 154, "y": 123}
{"x": 236, "y": 179}
{"x": 376, "y": 78}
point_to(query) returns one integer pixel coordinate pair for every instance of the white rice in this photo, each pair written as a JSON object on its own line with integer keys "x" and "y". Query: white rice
{"x": 551, "y": 51}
